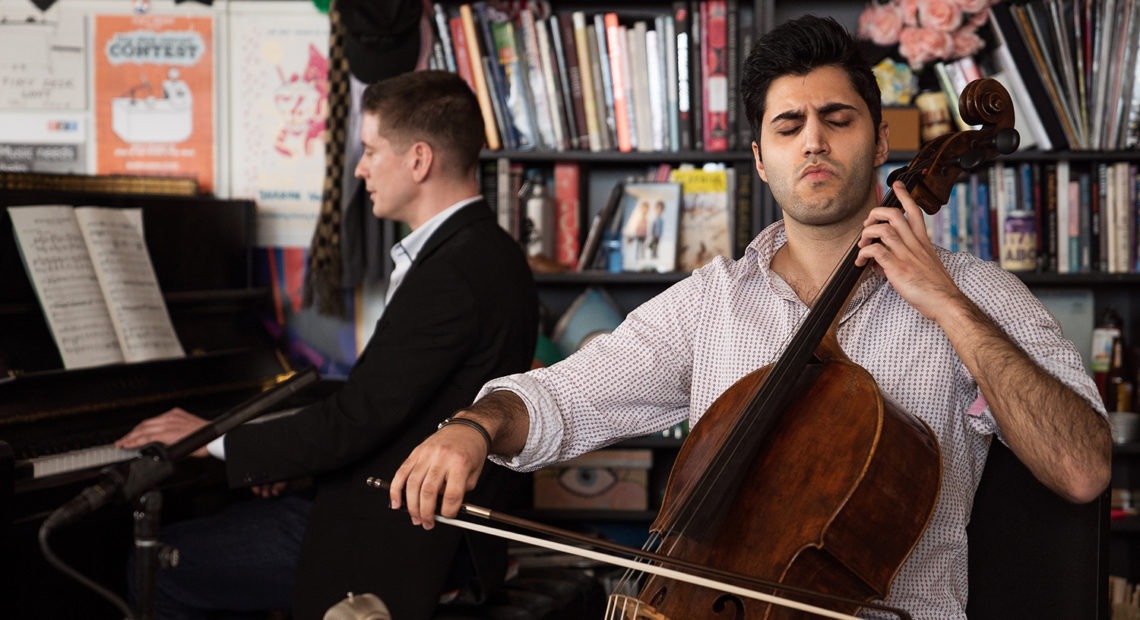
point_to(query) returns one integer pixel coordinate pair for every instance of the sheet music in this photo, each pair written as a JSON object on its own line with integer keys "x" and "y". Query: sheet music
{"x": 56, "y": 258}
{"x": 122, "y": 264}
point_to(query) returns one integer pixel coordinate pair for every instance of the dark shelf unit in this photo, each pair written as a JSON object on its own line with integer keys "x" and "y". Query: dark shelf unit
{"x": 617, "y": 157}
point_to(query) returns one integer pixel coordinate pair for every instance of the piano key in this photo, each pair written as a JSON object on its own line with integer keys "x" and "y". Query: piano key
{"x": 76, "y": 460}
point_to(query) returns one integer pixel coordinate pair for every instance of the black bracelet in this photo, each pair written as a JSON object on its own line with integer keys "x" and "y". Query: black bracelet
{"x": 469, "y": 423}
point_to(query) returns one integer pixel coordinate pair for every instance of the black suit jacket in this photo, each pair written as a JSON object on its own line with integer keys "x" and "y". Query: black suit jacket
{"x": 466, "y": 312}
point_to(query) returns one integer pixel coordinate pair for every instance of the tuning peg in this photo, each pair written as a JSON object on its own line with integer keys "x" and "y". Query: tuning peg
{"x": 1007, "y": 140}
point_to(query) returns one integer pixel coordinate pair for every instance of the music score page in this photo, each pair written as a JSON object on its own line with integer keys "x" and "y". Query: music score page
{"x": 93, "y": 275}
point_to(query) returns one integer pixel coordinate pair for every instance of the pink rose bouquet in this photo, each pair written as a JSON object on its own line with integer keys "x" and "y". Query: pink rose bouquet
{"x": 926, "y": 30}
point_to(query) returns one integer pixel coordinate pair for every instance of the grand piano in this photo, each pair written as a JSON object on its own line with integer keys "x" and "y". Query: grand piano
{"x": 56, "y": 425}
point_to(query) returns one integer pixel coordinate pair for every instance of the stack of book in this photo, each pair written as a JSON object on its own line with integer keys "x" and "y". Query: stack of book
{"x": 1072, "y": 66}
{"x": 649, "y": 80}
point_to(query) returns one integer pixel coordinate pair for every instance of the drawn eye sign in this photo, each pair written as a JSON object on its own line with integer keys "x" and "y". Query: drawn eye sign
{"x": 588, "y": 481}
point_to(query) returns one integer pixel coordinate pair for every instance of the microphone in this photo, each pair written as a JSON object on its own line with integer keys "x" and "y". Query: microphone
{"x": 119, "y": 482}
{"x": 359, "y": 607}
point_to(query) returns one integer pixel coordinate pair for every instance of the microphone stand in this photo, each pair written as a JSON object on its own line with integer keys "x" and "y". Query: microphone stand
{"x": 136, "y": 480}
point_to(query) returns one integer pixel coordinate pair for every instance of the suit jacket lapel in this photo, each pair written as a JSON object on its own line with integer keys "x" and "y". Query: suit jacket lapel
{"x": 465, "y": 217}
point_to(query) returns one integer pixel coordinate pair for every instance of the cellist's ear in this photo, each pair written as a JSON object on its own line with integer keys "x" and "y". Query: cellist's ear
{"x": 758, "y": 162}
{"x": 883, "y": 145}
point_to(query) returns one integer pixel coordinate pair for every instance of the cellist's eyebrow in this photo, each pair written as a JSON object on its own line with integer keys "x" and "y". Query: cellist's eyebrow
{"x": 825, "y": 110}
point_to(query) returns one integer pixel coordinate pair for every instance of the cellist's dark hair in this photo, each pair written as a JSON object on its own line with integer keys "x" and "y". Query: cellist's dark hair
{"x": 798, "y": 47}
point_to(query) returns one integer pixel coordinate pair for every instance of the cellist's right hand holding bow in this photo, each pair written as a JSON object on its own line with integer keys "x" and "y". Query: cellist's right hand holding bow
{"x": 447, "y": 463}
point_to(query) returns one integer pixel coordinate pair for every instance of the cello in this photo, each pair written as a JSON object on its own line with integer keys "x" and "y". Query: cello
{"x": 752, "y": 501}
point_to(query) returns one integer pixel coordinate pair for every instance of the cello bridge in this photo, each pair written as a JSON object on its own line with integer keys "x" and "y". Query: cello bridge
{"x": 625, "y": 607}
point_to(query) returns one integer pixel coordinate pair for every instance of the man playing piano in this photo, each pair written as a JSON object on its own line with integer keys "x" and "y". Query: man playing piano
{"x": 461, "y": 309}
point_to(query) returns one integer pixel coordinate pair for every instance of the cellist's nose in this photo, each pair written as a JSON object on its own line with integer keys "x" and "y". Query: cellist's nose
{"x": 814, "y": 137}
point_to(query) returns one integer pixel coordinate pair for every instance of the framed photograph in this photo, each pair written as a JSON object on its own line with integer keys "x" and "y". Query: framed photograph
{"x": 651, "y": 215}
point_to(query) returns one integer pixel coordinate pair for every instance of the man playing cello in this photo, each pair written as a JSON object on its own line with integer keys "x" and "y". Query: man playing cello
{"x": 957, "y": 342}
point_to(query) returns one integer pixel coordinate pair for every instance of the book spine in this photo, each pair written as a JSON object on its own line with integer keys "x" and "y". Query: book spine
{"x": 462, "y": 60}
{"x": 696, "y": 70}
{"x": 641, "y": 94}
{"x": 562, "y": 35}
{"x": 715, "y": 44}
{"x": 669, "y": 44}
{"x": 742, "y": 223}
{"x": 684, "y": 87}
{"x": 536, "y": 72}
{"x": 551, "y": 74}
{"x": 567, "y": 210}
{"x": 601, "y": 109}
{"x": 482, "y": 91}
{"x": 1005, "y": 27}
{"x": 589, "y": 103}
{"x": 618, "y": 76}
{"x": 602, "y": 60}
{"x": 513, "y": 86}
{"x": 443, "y": 31}
{"x": 732, "y": 32}
{"x": 496, "y": 77}
{"x": 1051, "y": 245}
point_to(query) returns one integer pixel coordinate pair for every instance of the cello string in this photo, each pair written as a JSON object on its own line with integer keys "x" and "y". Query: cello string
{"x": 746, "y": 425}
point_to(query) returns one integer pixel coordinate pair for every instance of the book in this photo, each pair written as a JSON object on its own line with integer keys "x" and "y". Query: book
{"x": 598, "y": 226}
{"x": 479, "y": 77}
{"x": 741, "y": 187}
{"x": 600, "y": 43}
{"x": 512, "y": 76}
{"x": 1009, "y": 38}
{"x": 559, "y": 110}
{"x": 566, "y": 55}
{"x": 705, "y": 216}
{"x": 443, "y": 32}
{"x": 536, "y": 71}
{"x": 714, "y": 43}
{"x": 684, "y": 87}
{"x": 617, "y": 52}
{"x": 567, "y": 211}
{"x": 462, "y": 60}
{"x": 639, "y": 62}
{"x": 585, "y": 74}
{"x": 92, "y": 274}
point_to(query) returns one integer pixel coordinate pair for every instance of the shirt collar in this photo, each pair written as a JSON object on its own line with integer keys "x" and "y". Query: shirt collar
{"x": 414, "y": 241}
{"x": 764, "y": 247}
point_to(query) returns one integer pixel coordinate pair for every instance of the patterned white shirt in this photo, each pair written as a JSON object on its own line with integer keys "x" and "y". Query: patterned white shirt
{"x": 675, "y": 354}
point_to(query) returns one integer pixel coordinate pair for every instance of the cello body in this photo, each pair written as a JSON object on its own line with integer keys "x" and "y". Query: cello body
{"x": 823, "y": 499}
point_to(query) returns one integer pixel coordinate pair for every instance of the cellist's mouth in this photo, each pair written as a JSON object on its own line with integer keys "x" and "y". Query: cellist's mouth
{"x": 817, "y": 172}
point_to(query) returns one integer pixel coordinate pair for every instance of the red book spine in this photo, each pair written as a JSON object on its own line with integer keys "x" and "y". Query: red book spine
{"x": 715, "y": 47}
{"x": 462, "y": 60}
{"x": 567, "y": 211}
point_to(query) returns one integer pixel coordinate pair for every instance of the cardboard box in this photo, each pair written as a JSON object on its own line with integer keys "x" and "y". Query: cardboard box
{"x": 905, "y": 128}
{"x": 601, "y": 480}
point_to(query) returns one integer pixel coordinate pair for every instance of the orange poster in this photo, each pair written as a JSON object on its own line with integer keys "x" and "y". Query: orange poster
{"x": 154, "y": 96}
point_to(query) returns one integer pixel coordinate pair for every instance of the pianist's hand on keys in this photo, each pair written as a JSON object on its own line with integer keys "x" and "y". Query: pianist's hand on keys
{"x": 167, "y": 428}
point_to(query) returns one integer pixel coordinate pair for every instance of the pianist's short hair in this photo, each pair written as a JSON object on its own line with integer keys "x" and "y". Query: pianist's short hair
{"x": 436, "y": 107}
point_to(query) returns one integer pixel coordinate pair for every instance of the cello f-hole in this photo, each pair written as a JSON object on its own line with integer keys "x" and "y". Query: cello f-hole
{"x": 722, "y": 602}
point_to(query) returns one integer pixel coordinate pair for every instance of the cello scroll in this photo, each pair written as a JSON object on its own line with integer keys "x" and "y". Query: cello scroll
{"x": 933, "y": 172}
